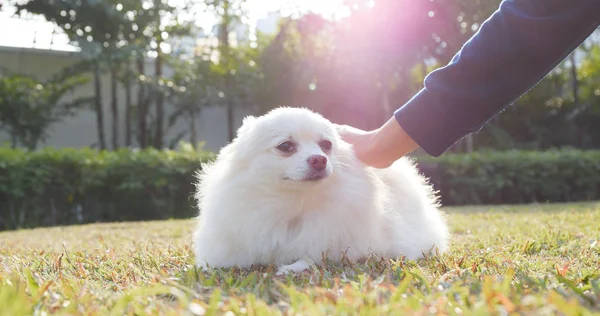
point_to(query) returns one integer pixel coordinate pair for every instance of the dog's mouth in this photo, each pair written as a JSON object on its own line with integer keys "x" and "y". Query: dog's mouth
{"x": 312, "y": 177}
{"x": 315, "y": 177}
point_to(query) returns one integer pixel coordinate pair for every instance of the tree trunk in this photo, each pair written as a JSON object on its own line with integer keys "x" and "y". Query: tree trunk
{"x": 158, "y": 132}
{"x": 575, "y": 87}
{"x": 98, "y": 107}
{"x": 114, "y": 106}
{"x": 469, "y": 143}
{"x": 127, "y": 106}
{"x": 193, "y": 139}
{"x": 142, "y": 108}
{"x": 229, "y": 100}
{"x": 225, "y": 59}
{"x": 574, "y": 79}
{"x": 14, "y": 140}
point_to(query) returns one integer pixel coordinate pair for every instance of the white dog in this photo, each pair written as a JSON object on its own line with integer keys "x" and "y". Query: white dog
{"x": 288, "y": 189}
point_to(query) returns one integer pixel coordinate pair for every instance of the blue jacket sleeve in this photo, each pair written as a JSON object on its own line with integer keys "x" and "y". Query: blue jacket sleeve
{"x": 511, "y": 52}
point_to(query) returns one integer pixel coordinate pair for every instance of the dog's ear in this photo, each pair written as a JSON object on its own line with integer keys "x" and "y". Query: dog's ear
{"x": 247, "y": 124}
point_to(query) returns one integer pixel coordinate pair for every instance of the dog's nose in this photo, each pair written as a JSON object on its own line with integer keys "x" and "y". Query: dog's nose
{"x": 317, "y": 162}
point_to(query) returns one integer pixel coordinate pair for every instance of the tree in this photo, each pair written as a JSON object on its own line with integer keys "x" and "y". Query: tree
{"x": 112, "y": 32}
{"x": 29, "y": 106}
{"x": 197, "y": 78}
{"x": 155, "y": 21}
{"x": 230, "y": 13}
{"x": 127, "y": 78}
{"x": 206, "y": 81}
{"x": 356, "y": 70}
{"x": 98, "y": 28}
{"x": 550, "y": 115}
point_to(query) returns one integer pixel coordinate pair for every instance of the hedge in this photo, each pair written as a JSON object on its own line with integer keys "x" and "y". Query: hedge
{"x": 515, "y": 177}
{"x": 71, "y": 186}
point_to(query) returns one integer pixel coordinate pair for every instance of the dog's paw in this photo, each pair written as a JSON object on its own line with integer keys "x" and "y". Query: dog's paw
{"x": 295, "y": 267}
{"x": 283, "y": 270}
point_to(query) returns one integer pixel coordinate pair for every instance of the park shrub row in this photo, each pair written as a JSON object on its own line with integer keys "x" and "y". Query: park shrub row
{"x": 72, "y": 186}
{"x": 515, "y": 177}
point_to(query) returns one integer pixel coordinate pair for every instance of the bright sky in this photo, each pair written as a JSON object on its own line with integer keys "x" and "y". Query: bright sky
{"x": 19, "y": 32}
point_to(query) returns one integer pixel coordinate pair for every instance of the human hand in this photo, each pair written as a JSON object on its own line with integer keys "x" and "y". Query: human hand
{"x": 379, "y": 148}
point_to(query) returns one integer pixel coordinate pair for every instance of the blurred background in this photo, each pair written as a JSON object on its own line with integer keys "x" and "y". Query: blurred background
{"x": 139, "y": 73}
{"x": 108, "y": 107}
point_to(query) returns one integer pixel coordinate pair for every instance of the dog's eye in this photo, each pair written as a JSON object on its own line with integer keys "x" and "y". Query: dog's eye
{"x": 286, "y": 147}
{"x": 325, "y": 145}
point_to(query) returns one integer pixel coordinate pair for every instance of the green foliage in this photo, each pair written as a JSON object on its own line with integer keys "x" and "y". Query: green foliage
{"x": 549, "y": 116}
{"x": 109, "y": 27}
{"x": 356, "y": 70}
{"x": 517, "y": 260}
{"x": 361, "y": 68}
{"x": 29, "y": 106}
{"x": 68, "y": 186}
{"x": 512, "y": 177}
{"x": 111, "y": 34}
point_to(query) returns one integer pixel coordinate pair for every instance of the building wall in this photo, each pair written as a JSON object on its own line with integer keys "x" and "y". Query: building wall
{"x": 81, "y": 130}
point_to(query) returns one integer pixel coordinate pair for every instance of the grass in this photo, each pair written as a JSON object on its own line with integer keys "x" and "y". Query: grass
{"x": 533, "y": 259}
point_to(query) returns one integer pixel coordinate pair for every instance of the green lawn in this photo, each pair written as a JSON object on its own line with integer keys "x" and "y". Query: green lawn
{"x": 535, "y": 259}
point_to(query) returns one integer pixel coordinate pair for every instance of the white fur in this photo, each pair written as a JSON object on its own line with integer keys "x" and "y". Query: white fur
{"x": 256, "y": 210}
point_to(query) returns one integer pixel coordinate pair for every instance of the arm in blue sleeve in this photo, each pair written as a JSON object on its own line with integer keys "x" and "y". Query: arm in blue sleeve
{"x": 512, "y": 51}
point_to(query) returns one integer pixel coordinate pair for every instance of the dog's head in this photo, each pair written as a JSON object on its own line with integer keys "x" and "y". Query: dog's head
{"x": 286, "y": 144}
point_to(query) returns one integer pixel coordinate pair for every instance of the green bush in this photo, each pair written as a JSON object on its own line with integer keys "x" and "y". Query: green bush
{"x": 512, "y": 177}
{"x": 71, "y": 186}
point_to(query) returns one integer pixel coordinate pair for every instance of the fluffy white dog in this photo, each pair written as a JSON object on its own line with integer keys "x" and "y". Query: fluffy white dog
{"x": 288, "y": 189}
